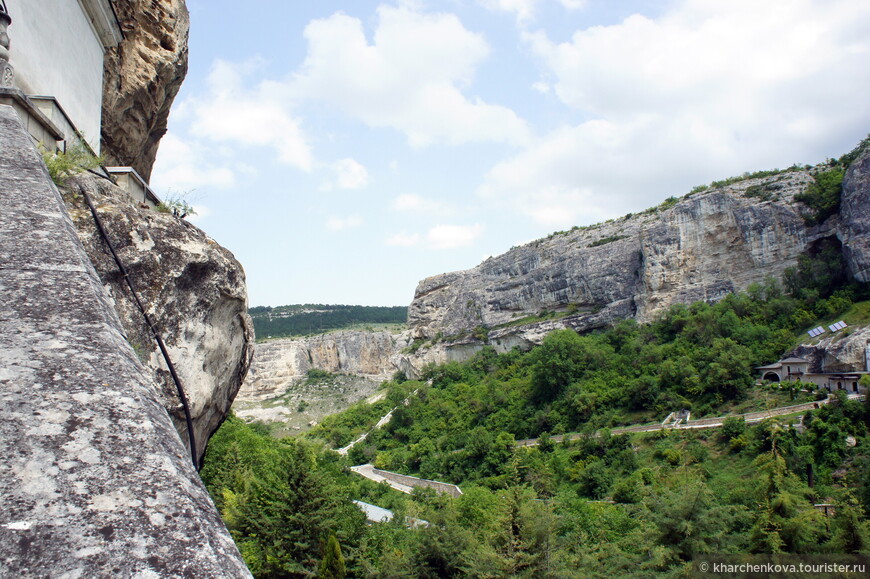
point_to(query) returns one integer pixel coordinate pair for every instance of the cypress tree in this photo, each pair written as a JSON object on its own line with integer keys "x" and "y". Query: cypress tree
{"x": 332, "y": 565}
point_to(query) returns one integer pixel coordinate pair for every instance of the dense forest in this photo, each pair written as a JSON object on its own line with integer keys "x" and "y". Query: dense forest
{"x": 628, "y": 505}
{"x": 309, "y": 319}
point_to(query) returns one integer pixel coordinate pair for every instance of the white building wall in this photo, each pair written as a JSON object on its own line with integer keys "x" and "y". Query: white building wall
{"x": 56, "y": 52}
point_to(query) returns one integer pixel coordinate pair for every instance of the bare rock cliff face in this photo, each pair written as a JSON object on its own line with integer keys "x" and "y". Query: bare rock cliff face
{"x": 701, "y": 247}
{"x": 141, "y": 78}
{"x": 855, "y": 215}
{"x": 194, "y": 291}
{"x": 847, "y": 351}
{"x": 279, "y": 363}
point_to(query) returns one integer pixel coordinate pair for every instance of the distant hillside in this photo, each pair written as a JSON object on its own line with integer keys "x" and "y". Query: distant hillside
{"x": 308, "y": 319}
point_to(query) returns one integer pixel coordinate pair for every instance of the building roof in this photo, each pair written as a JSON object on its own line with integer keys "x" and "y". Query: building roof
{"x": 771, "y": 367}
{"x": 104, "y": 20}
{"x": 794, "y": 360}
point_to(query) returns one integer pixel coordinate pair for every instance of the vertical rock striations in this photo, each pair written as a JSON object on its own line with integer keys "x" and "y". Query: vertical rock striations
{"x": 701, "y": 247}
{"x": 94, "y": 480}
{"x": 854, "y": 231}
{"x": 141, "y": 78}
{"x": 280, "y": 363}
{"x": 195, "y": 293}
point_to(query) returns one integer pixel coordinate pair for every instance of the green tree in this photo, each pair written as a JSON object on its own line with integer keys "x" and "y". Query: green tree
{"x": 332, "y": 564}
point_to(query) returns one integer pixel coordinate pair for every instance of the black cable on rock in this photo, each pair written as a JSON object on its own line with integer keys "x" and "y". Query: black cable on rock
{"x": 151, "y": 327}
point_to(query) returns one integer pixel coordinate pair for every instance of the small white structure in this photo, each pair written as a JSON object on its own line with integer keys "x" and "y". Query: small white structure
{"x": 52, "y": 52}
{"x": 127, "y": 178}
{"x": 797, "y": 370}
{"x": 57, "y": 48}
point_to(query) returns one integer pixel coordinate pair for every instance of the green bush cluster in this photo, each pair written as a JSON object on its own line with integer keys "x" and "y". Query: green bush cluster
{"x": 77, "y": 158}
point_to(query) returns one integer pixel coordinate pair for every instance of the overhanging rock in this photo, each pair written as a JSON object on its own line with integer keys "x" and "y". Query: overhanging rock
{"x": 94, "y": 480}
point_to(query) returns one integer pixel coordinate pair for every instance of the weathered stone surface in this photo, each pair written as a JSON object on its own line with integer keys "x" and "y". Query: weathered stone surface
{"x": 844, "y": 351}
{"x": 141, "y": 78}
{"x": 94, "y": 479}
{"x": 194, "y": 291}
{"x": 854, "y": 230}
{"x": 700, "y": 248}
{"x": 279, "y": 363}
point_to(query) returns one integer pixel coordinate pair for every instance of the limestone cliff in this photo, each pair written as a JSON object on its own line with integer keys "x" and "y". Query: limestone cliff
{"x": 194, "y": 291}
{"x": 281, "y": 362}
{"x": 700, "y": 247}
{"x": 845, "y": 351}
{"x": 854, "y": 231}
{"x": 141, "y": 78}
{"x": 94, "y": 481}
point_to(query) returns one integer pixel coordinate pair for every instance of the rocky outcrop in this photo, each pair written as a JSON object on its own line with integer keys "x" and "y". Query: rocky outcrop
{"x": 701, "y": 247}
{"x": 94, "y": 481}
{"x": 194, "y": 291}
{"x": 280, "y": 363}
{"x": 141, "y": 78}
{"x": 844, "y": 351}
{"x": 854, "y": 231}
{"x": 698, "y": 248}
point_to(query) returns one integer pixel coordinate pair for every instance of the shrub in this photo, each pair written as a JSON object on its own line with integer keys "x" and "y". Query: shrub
{"x": 732, "y": 427}
{"x": 77, "y": 159}
{"x": 823, "y": 195}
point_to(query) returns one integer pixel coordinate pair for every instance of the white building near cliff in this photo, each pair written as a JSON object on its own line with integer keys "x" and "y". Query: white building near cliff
{"x": 56, "y": 50}
{"x": 52, "y": 55}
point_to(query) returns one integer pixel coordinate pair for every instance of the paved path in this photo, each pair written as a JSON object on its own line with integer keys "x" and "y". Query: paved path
{"x": 368, "y": 471}
{"x": 749, "y": 417}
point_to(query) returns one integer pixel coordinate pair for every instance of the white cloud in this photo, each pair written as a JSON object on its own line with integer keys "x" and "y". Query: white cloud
{"x": 707, "y": 90}
{"x": 453, "y": 236}
{"x": 341, "y": 223}
{"x": 403, "y": 240}
{"x": 201, "y": 213}
{"x": 525, "y": 9}
{"x": 183, "y": 165}
{"x": 410, "y": 78}
{"x": 349, "y": 174}
{"x": 258, "y": 116}
{"x": 411, "y": 203}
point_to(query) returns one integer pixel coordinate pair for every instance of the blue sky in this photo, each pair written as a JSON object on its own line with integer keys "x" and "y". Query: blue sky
{"x": 346, "y": 150}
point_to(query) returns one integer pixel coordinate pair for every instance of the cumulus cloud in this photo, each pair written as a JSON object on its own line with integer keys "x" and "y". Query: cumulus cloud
{"x": 411, "y": 203}
{"x": 258, "y": 116}
{"x": 334, "y": 223}
{"x": 348, "y": 174}
{"x": 410, "y": 77}
{"x": 525, "y": 9}
{"x": 184, "y": 165}
{"x": 403, "y": 239}
{"x": 453, "y": 236}
{"x": 705, "y": 90}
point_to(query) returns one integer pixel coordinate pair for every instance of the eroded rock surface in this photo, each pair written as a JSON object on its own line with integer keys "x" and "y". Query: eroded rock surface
{"x": 843, "y": 351}
{"x": 141, "y": 79}
{"x": 701, "y": 247}
{"x": 94, "y": 480}
{"x": 194, "y": 291}
{"x": 855, "y": 217}
{"x": 280, "y": 363}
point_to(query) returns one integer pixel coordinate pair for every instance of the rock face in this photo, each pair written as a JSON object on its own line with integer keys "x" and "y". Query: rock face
{"x": 701, "y": 247}
{"x": 279, "y": 363}
{"x": 94, "y": 480}
{"x": 841, "y": 352}
{"x": 194, "y": 291}
{"x": 855, "y": 216}
{"x": 141, "y": 78}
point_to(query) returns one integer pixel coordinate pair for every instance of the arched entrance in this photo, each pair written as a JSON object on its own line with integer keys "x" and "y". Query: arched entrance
{"x": 771, "y": 377}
